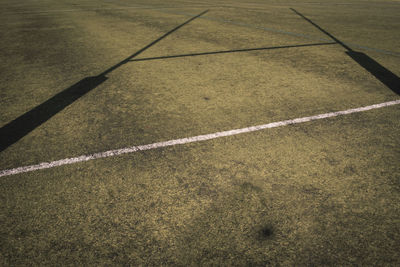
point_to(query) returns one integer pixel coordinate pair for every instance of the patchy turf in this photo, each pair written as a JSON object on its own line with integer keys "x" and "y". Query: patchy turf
{"x": 319, "y": 193}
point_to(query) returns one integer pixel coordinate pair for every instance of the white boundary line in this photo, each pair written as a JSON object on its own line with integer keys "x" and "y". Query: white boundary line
{"x": 198, "y": 138}
{"x": 96, "y": 9}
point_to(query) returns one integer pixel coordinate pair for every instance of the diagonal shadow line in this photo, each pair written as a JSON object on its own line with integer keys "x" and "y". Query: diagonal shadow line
{"x": 322, "y": 30}
{"x": 269, "y": 29}
{"x": 151, "y": 44}
{"x": 27, "y": 122}
{"x": 230, "y": 51}
{"x": 385, "y": 76}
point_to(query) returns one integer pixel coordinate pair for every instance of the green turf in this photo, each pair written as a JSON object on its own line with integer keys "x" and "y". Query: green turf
{"x": 319, "y": 193}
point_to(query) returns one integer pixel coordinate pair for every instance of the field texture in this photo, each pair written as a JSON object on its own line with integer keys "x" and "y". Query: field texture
{"x": 85, "y": 77}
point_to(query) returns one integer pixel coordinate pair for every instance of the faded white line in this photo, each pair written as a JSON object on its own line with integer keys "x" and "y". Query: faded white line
{"x": 198, "y": 138}
{"x": 94, "y": 9}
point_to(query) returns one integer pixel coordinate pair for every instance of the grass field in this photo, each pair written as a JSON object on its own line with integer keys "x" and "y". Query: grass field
{"x": 84, "y": 77}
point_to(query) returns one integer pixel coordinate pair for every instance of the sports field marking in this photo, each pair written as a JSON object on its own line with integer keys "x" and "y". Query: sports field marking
{"x": 72, "y": 10}
{"x": 198, "y": 138}
{"x": 95, "y": 9}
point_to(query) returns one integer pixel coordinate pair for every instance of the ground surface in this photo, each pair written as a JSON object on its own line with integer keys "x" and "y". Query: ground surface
{"x": 319, "y": 193}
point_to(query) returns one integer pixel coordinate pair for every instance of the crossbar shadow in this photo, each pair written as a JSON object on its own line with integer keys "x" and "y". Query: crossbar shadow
{"x": 231, "y": 51}
{"x": 385, "y": 76}
{"x": 24, "y": 124}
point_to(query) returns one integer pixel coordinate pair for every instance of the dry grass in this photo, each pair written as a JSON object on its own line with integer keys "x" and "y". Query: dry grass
{"x": 320, "y": 193}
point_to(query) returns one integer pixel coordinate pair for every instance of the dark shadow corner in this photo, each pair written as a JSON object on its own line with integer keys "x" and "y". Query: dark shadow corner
{"x": 388, "y": 78}
{"x": 21, "y": 126}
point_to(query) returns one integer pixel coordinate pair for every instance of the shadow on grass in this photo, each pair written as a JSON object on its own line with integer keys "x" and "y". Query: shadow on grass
{"x": 231, "y": 51}
{"x": 385, "y": 76}
{"x": 388, "y": 78}
{"x": 21, "y": 126}
{"x": 18, "y": 128}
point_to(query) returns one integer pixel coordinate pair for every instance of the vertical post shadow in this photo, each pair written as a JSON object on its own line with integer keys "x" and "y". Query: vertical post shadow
{"x": 21, "y": 126}
{"x": 24, "y": 124}
{"x": 385, "y": 76}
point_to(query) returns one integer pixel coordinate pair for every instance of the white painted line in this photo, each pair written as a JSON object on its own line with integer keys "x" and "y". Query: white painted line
{"x": 198, "y": 138}
{"x": 95, "y": 9}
